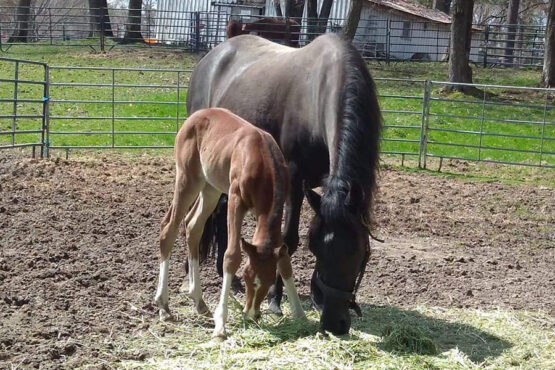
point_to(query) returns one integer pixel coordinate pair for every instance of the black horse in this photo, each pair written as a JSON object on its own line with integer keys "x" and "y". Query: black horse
{"x": 319, "y": 103}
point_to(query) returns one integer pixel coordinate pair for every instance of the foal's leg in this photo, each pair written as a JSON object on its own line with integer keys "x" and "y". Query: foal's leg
{"x": 186, "y": 189}
{"x": 290, "y": 234}
{"x": 286, "y": 272}
{"x": 196, "y": 218}
{"x": 232, "y": 258}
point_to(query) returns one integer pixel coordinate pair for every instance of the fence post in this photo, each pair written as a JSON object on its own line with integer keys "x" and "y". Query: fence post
{"x": 45, "y": 135}
{"x": 287, "y": 32}
{"x": 102, "y": 28}
{"x": 50, "y": 24}
{"x": 1, "y": 36}
{"x": 113, "y": 107}
{"x": 422, "y": 148}
{"x": 486, "y": 42}
{"x": 14, "y": 111}
{"x": 148, "y": 26}
{"x": 388, "y": 41}
{"x": 543, "y": 125}
{"x": 197, "y": 32}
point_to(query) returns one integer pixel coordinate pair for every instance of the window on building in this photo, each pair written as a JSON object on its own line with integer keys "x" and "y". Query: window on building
{"x": 406, "y": 30}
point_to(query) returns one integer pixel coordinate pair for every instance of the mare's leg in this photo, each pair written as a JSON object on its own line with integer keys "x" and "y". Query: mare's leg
{"x": 186, "y": 189}
{"x": 232, "y": 258}
{"x": 196, "y": 218}
{"x": 293, "y": 206}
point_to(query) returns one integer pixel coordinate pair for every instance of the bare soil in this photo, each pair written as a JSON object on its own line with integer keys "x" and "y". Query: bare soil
{"x": 78, "y": 250}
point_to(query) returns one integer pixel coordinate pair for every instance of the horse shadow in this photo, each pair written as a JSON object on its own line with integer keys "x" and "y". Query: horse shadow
{"x": 475, "y": 343}
{"x": 378, "y": 321}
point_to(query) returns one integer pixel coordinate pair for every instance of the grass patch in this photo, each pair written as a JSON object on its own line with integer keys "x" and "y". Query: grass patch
{"x": 144, "y": 116}
{"x": 407, "y": 339}
{"x": 385, "y": 337}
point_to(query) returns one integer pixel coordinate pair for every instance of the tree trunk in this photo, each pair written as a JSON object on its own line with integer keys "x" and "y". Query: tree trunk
{"x": 294, "y": 8}
{"x": 548, "y": 74}
{"x": 443, "y": 5}
{"x": 317, "y": 23}
{"x": 133, "y": 26}
{"x": 512, "y": 19}
{"x": 324, "y": 16}
{"x": 277, "y": 5}
{"x": 461, "y": 37}
{"x": 99, "y": 18}
{"x": 22, "y": 18}
{"x": 350, "y": 28}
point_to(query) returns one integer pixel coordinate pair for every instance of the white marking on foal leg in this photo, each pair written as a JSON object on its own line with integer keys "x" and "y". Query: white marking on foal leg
{"x": 249, "y": 312}
{"x": 161, "y": 297}
{"x": 220, "y": 315}
{"x": 294, "y": 299}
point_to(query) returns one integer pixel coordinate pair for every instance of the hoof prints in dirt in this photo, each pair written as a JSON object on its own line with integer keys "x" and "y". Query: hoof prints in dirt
{"x": 79, "y": 255}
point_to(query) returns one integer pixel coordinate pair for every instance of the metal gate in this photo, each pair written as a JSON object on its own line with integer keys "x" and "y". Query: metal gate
{"x": 24, "y": 101}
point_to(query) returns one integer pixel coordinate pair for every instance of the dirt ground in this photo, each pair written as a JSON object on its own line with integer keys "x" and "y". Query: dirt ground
{"x": 78, "y": 250}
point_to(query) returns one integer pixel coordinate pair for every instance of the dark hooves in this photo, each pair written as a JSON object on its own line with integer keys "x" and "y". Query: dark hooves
{"x": 237, "y": 286}
{"x": 274, "y": 308}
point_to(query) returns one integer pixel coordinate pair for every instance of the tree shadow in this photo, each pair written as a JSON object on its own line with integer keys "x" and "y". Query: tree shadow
{"x": 475, "y": 343}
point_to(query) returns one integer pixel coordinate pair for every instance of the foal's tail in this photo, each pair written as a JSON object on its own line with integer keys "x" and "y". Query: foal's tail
{"x": 214, "y": 237}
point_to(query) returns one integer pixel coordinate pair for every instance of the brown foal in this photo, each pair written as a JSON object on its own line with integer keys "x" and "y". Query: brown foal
{"x": 218, "y": 152}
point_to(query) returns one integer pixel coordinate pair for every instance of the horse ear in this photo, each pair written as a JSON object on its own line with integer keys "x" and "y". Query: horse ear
{"x": 313, "y": 198}
{"x": 249, "y": 249}
{"x": 355, "y": 197}
{"x": 281, "y": 251}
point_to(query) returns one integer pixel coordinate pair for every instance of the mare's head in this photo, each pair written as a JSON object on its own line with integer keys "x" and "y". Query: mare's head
{"x": 339, "y": 240}
{"x": 259, "y": 274}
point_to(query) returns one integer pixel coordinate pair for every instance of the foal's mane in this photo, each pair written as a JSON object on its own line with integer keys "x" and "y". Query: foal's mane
{"x": 357, "y": 143}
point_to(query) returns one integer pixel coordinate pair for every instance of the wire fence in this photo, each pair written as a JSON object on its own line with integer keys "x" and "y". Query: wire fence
{"x": 388, "y": 39}
{"x": 69, "y": 108}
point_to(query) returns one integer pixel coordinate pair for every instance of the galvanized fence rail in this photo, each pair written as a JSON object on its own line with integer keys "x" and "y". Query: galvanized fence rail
{"x": 126, "y": 121}
{"x": 124, "y": 108}
{"x": 495, "y": 126}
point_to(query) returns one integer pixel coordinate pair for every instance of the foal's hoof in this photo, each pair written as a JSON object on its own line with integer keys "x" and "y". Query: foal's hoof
{"x": 202, "y": 309}
{"x": 219, "y": 336}
{"x": 165, "y": 315}
{"x": 274, "y": 308}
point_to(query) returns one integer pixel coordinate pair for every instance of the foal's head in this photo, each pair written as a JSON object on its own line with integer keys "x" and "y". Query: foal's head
{"x": 339, "y": 240}
{"x": 259, "y": 275}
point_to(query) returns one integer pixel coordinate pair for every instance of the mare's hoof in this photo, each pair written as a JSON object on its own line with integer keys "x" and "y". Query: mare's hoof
{"x": 274, "y": 308}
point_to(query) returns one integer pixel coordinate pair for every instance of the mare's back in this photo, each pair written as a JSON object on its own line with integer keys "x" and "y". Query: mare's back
{"x": 275, "y": 87}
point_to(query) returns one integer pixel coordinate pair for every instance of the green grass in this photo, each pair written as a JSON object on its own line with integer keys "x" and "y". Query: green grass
{"x": 401, "y": 102}
{"x": 385, "y": 337}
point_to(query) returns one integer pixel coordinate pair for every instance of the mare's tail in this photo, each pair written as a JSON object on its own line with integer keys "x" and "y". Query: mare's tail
{"x": 214, "y": 237}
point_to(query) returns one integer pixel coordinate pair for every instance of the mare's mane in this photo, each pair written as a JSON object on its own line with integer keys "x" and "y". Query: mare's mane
{"x": 357, "y": 142}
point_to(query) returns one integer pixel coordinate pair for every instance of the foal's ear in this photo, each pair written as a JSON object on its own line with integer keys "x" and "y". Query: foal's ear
{"x": 281, "y": 252}
{"x": 249, "y": 249}
{"x": 314, "y": 199}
